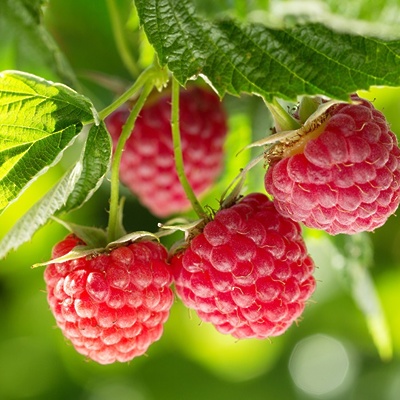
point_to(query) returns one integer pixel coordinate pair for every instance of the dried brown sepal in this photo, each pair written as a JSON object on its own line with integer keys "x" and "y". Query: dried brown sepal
{"x": 288, "y": 143}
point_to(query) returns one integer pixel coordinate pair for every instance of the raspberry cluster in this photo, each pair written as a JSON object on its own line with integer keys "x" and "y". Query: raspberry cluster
{"x": 112, "y": 307}
{"x": 148, "y": 166}
{"x": 247, "y": 272}
{"x": 245, "y": 269}
{"x": 344, "y": 180}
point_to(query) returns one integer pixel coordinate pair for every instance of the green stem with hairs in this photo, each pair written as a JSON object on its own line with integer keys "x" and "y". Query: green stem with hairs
{"x": 113, "y": 221}
{"x": 176, "y": 136}
{"x": 147, "y": 75}
{"x": 120, "y": 39}
{"x": 241, "y": 8}
{"x": 283, "y": 121}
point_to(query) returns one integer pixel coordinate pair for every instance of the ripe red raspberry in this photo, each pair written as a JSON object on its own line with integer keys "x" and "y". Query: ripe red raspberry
{"x": 147, "y": 164}
{"x": 345, "y": 178}
{"x": 112, "y": 306}
{"x": 247, "y": 272}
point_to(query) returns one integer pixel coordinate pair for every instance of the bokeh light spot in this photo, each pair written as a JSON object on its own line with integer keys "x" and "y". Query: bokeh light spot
{"x": 120, "y": 389}
{"x": 320, "y": 365}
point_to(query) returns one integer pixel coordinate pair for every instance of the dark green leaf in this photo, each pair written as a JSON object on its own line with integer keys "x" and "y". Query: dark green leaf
{"x": 38, "y": 120}
{"x": 27, "y": 45}
{"x": 33, "y": 7}
{"x": 305, "y": 59}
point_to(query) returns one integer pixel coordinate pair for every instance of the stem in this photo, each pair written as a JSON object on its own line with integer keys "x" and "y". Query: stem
{"x": 120, "y": 39}
{"x": 146, "y": 76}
{"x": 241, "y": 7}
{"x": 283, "y": 121}
{"x": 176, "y": 137}
{"x": 239, "y": 181}
{"x": 113, "y": 221}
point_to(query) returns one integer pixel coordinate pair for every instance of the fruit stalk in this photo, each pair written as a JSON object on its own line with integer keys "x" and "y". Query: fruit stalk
{"x": 120, "y": 41}
{"x": 147, "y": 75}
{"x": 113, "y": 222}
{"x": 176, "y": 137}
{"x": 283, "y": 121}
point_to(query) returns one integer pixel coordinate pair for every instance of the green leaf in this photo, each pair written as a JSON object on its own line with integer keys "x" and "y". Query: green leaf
{"x": 40, "y": 213}
{"x": 38, "y": 120}
{"x": 75, "y": 188}
{"x": 95, "y": 164}
{"x": 29, "y": 45}
{"x": 304, "y": 59}
{"x": 367, "y": 299}
{"x": 33, "y": 7}
{"x": 131, "y": 238}
{"x": 94, "y": 238}
{"x": 76, "y": 253}
{"x": 358, "y": 253}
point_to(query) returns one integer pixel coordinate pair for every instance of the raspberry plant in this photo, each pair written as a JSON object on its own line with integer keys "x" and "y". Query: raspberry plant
{"x": 331, "y": 138}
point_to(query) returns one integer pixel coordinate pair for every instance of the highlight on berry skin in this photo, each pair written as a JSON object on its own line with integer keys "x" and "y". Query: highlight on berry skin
{"x": 345, "y": 175}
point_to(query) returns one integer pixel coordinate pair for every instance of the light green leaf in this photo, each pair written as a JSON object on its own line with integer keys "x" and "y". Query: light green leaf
{"x": 304, "y": 59}
{"x": 358, "y": 255}
{"x": 76, "y": 253}
{"x": 93, "y": 237}
{"x": 95, "y": 164}
{"x": 75, "y": 188}
{"x": 40, "y": 213}
{"x": 367, "y": 299}
{"x": 38, "y": 121}
{"x": 131, "y": 238}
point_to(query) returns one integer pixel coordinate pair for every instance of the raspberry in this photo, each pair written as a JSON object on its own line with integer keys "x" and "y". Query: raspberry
{"x": 247, "y": 272}
{"x": 112, "y": 306}
{"x": 147, "y": 164}
{"x": 345, "y": 178}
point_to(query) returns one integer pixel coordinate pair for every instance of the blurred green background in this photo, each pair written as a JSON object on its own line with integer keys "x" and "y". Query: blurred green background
{"x": 329, "y": 355}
